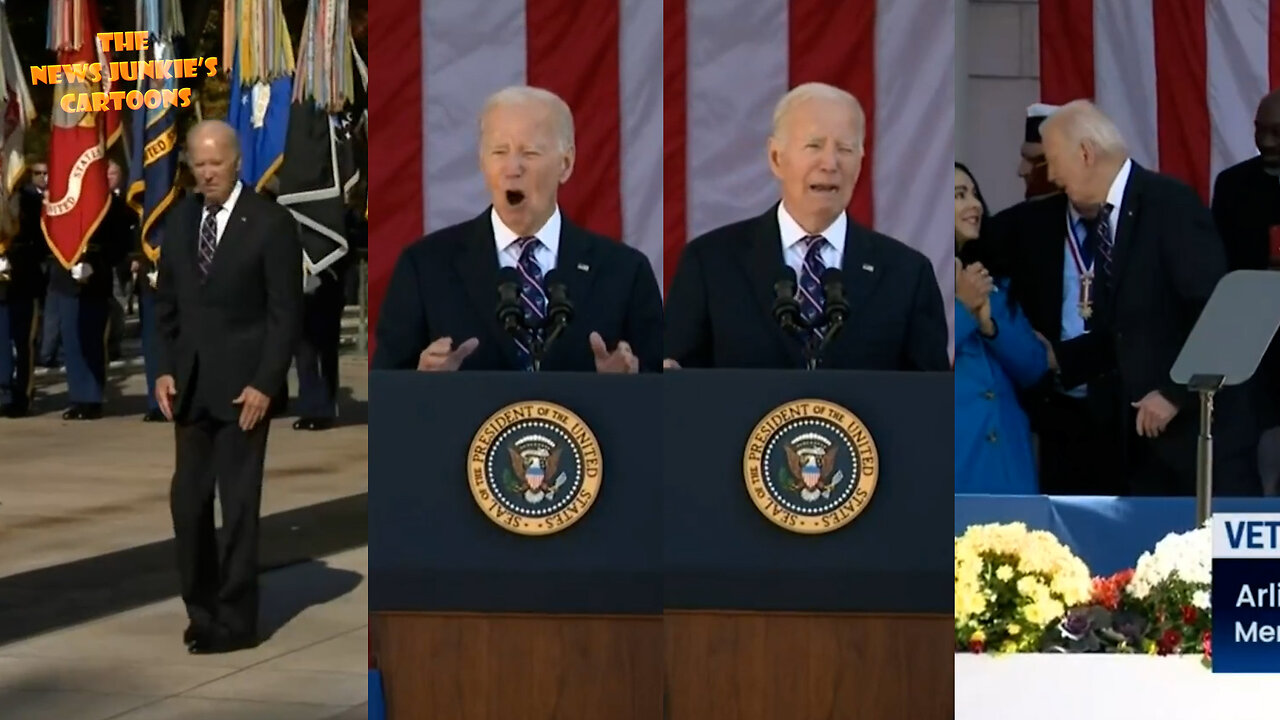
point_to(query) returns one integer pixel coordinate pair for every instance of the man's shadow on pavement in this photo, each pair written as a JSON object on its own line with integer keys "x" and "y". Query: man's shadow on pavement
{"x": 288, "y": 592}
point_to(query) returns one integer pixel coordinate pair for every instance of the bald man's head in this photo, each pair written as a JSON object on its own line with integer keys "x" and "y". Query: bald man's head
{"x": 213, "y": 154}
{"x": 1266, "y": 132}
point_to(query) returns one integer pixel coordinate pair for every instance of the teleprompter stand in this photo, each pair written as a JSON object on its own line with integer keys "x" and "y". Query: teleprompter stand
{"x": 1224, "y": 349}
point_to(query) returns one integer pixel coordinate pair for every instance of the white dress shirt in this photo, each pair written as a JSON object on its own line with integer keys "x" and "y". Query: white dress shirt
{"x": 545, "y": 254}
{"x": 224, "y": 215}
{"x": 793, "y": 249}
{"x": 1115, "y": 196}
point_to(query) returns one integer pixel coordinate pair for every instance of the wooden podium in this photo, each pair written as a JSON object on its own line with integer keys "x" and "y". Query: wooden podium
{"x": 763, "y": 666}
{"x": 673, "y": 598}
{"x": 765, "y": 624}
{"x": 498, "y": 667}
{"x": 472, "y": 622}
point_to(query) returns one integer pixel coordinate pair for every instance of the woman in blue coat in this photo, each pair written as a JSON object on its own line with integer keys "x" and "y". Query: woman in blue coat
{"x": 997, "y": 354}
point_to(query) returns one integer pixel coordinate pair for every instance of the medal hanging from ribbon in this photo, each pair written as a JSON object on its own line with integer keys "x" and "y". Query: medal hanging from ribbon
{"x": 1084, "y": 268}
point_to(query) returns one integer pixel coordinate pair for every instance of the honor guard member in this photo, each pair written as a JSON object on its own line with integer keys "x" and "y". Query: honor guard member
{"x": 21, "y": 282}
{"x": 81, "y": 296}
{"x": 1033, "y": 168}
{"x": 145, "y": 276}
{"x": 317, "y": 353}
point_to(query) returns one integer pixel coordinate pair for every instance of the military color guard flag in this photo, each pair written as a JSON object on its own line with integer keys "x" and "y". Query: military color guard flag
{"x": 1246, "y": 593}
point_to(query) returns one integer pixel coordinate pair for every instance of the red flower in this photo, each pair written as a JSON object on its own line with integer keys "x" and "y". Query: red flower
{"x": 1169, "y": 643}
{"x": 1189, "y": 614}
{"x": 1206, "y": 644}
{"x": 977, "y": 646}
{"x": 1107, "y": 591}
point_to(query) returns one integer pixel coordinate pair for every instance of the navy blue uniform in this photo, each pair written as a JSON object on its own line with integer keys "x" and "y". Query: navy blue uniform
{"x": 84, "y": 310}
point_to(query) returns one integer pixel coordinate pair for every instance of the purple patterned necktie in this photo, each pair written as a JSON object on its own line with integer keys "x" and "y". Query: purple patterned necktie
{"x": 533, "y": 297}
{"x": 208, "y": 239}
{"x": 811, "y": 294}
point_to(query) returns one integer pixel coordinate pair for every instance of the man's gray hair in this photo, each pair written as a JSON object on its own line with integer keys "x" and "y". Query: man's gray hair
{"x": 527, "y": 94}
{"x": 818, "y": 91}
{"x": 215, "y": 126}
{"x": 1080, "y": 121}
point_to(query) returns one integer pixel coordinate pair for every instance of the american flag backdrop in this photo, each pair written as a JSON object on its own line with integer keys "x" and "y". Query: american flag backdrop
{"x": 673, "y": 104}
{"x": 437, "y": 61}
{"x": 727, "y": 62}
{"x": 1181, "y": 78}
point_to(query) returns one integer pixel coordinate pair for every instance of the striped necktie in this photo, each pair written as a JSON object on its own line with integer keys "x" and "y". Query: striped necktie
{"x": 208, "y": 239}
{"x": 811, "y": 294}
{"x": 533, "y": 296}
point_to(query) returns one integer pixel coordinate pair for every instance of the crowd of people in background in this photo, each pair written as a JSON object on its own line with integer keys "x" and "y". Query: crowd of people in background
{"x": 1072, "y": 306}
{"x": 76, "y": 318}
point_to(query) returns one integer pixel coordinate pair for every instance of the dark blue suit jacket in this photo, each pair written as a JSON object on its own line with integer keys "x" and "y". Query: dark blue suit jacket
{"x": 446, "y": 285}
{"x": 719, "y": 305}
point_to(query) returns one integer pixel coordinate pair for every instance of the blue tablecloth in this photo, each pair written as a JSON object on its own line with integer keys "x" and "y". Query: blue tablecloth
{"x": 1108, "y": 533}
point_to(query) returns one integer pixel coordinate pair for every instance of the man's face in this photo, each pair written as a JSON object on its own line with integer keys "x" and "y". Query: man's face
{"x": 113, "y": 176}
{"x": 1072, "y": 168}
{"x": 1266, "y": 134}
{"x": 817, "y": 157}
{"x": 1034, "y": 171}
{"x": 1032, "y": 155}
{"x": 523, "y": 163}
{"x": 40, "y": 175}
{"x": 215, "y": 165}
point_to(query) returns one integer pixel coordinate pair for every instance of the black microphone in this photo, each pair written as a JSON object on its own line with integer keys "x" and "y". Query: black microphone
{"x": 559, "y": 308}
{"x": 786, "y": 311}
{"x": 836, "y": 308}
{"x": 510, "y": 315}
{"x": 834, "y": 311}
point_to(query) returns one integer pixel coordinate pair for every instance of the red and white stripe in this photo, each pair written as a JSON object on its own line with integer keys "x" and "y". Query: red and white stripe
{"x": 437, "y": 62}
{"x": 1183, "y": 83}
{"x": 727, "y": 62}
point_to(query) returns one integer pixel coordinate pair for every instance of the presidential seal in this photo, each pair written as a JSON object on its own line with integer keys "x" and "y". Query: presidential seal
{"x": 534, "y": 468}
{"x": 811, "y": 466}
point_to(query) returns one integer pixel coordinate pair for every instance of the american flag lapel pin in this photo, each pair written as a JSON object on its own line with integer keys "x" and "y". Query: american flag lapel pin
{"x": 584, "y": 267}
{"x": 868, "y": 267}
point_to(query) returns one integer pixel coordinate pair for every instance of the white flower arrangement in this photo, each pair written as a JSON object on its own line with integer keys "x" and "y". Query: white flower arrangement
{"x": 1184, "y": 557}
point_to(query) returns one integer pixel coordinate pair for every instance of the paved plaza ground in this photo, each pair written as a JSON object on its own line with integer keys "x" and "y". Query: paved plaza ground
{"x": 90, "y": 624}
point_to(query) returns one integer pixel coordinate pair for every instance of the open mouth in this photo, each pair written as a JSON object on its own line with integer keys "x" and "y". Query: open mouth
{"x": 515, "y": 197}
{"x": 824, "y": 189}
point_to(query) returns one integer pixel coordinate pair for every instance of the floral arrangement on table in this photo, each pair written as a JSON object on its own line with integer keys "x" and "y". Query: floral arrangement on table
{"x": 1160, "y": 607}
{"x": 1013, "y": 584}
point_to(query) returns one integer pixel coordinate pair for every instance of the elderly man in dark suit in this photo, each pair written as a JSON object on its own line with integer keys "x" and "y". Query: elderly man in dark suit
{"x": 720, "y": 307}
{"x": 1156, "y": 259}
{"x": 228, "y": 314}
{"x": 439, "y": 310}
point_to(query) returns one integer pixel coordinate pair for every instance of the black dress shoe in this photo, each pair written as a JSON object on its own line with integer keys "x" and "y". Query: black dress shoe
{"x": 14, "y": 410}
{"x": 215, "y": 643}
{"x": 83, "y": 411}
{"x": 193, "y": 634}
{"x": 313, "y": 424}
{"x": 154, "y": 416}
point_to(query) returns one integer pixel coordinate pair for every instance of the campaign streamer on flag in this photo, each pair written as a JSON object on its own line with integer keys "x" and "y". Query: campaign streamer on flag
{"x": 1246, "y": 593}
{"x": 153, "y": 167}
{"x": 78, "y": 196}
{"x": 16, "y": 116}
{"x": 257, "y": 39}
{"x": 319, "y": 169}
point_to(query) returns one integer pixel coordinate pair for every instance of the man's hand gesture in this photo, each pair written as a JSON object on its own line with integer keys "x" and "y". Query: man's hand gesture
{"x": 442, "y": 356}
{"x": 621, "y": 360}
